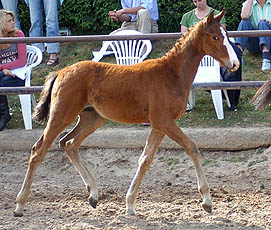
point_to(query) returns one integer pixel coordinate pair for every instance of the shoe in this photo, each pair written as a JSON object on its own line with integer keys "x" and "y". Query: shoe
{"x": 266, "y": 64}
{"x": 4, "y": 112}
{"x": 4, "y": 119}
{"x": 188, "y": 108}
{"x": 52, "y": 62}
{"x": 146, "y": 124}
{"x": 233, "y": 108}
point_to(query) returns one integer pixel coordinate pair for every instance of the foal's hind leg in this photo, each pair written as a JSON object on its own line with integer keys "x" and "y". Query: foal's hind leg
{"x": 89, "y": 121}
{"x": 174, "y": 132}
{"x": 144, "y": 161}
{"x": 60, "y": 117}
{"x": 38, "y": 153}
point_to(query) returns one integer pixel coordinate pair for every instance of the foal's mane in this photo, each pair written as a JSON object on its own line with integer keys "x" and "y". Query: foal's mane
{"x": 187, "y": 38}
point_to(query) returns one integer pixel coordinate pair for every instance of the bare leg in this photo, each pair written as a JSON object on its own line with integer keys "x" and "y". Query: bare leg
{"x": 175, "y": 133}
{"x": 144, "y": 161}
{"x": 88, "y": 122}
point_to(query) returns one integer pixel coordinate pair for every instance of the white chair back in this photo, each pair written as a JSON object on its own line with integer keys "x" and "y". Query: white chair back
{"x": 126, "y": 52}
{"x": 209, "y": 71}
{"x": 34, "y": 58}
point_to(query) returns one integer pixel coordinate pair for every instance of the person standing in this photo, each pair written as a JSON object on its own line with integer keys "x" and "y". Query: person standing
{"x": 191, "y": 18}
{"x": 50, "y": 8}
{"x": 12, "y": 5}
{"x": 12, "y": 56}
{"x": 140, "y": 15}
{"x": 256, "y": 15}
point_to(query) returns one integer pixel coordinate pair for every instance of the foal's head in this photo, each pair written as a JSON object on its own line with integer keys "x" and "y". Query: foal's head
{"x": 215, "y": 42}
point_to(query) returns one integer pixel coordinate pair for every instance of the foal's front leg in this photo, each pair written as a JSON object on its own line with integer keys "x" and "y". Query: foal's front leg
{"x": 144, "y": 161}
{"x": 176, "y": 134}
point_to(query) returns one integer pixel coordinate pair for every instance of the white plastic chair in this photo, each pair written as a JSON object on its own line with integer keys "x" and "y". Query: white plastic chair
{"x": 34, "y": 58}
{"x": 126, "y": 52}
{"x": 209, "y": 71}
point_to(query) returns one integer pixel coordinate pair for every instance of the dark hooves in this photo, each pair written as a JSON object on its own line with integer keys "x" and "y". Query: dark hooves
{"x": 18, "y": 214}
{"x": 207, "y": 208}
{"x": 92, "y": 202}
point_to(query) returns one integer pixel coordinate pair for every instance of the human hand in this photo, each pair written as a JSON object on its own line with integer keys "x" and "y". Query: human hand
{"x": 119, "y": 13}
{"x": 265, "y": 20}
{"x": 113, "y": 16}
{"x": 7, "y": 72}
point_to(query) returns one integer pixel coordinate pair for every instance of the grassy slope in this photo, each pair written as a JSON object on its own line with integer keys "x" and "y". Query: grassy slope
{"x": 203, "y": 114}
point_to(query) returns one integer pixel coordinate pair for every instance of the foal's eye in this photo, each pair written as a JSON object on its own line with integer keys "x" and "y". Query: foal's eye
{"x": 215, "y": 37}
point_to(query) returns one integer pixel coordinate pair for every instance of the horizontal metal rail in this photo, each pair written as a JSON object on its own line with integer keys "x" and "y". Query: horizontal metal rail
{"x": 152, "y": 36}
{"x": 197, "y": 86}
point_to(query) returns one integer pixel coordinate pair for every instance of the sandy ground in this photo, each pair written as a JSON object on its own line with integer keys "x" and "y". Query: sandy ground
{"x": 240, "y": 185}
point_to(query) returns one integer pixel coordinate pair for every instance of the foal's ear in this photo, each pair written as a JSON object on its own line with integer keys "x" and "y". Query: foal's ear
{"x": 220, "y": 15}
{"x": 211, "y": 17}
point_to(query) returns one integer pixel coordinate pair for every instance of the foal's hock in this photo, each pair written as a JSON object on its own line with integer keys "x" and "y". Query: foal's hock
{"x": 153, "y": 91}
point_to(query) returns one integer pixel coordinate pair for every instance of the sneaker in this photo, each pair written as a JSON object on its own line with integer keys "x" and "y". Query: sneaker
{"x": 266, "y": 64}
{"x": 188, "y": 107}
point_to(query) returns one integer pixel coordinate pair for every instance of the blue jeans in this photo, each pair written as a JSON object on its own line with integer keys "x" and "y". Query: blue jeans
{"x": 11, "y": 5}
{"x": 51, "y": 19}
{"x": 7, "y": 81}
{"x": 253, "y": 44}
{"x": 233, "y": 95}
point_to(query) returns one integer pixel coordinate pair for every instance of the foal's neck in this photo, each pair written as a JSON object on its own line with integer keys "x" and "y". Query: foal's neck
{"x": 186, "y": 55}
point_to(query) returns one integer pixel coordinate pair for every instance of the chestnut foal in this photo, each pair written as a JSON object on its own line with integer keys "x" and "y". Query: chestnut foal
{"x": 154, "y": 91}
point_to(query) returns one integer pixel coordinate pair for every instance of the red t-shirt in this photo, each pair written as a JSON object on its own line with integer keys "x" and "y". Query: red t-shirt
{"x": 14, "y": 56}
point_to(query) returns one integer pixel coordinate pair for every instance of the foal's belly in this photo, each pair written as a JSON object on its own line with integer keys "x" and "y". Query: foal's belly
{"x": 122, "y": 112}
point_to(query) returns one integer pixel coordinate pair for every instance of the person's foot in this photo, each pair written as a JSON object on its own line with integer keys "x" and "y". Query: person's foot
{"x": 266, "y": 65}
{"x": 4, "y": 119}
{"x": 53, "y": 60}
{"x": 188, "y": 108}
{"x": 233, "y": 108}
{"x": 146, "y": 124}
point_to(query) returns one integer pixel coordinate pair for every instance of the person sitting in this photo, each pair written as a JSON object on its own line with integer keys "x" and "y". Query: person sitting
{"x": 140, "y": 15}
{"x": 12, "y": 5}
{"x": 256, "y": 15}
{"x": 12, "y": 56}
{"x": 192, "y": 17}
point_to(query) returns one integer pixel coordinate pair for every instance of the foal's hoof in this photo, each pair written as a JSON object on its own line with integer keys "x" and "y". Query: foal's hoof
{"x": 92, "y": 202}
{"x": 207, "y": 208}
{"x": 17, "y": 214}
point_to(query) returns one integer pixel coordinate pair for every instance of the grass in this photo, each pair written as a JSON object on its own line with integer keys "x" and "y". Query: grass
{"x": 203, "y": 115}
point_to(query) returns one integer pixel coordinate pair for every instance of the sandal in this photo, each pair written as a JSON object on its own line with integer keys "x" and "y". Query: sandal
{"x": 52, "y": 62}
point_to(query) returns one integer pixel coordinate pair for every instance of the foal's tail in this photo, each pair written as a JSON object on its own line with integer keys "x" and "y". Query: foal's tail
{"x": 42, "y": 109}
{"x": 262, "y": 98}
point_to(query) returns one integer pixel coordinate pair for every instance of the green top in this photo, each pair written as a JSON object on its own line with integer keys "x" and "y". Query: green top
{"x": 189, "y": 19}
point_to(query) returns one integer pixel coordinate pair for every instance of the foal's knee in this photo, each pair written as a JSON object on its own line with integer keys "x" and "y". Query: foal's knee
{"x": 36, "y": 156}
{"x": 192, "y": 148}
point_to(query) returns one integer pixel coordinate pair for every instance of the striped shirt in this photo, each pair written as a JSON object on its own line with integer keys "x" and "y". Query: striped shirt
{"x": 259, "y": 13}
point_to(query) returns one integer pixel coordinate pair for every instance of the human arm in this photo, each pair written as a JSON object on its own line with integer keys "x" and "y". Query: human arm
{"x": 183, "y": 29}
{"x": 21, "y": 60}
{"x": 123, "y": 14}
{"x": 246, "y": 9}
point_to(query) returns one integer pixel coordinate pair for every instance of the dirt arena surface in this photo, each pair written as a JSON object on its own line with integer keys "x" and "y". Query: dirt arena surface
{"x": 240, "y": 185}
